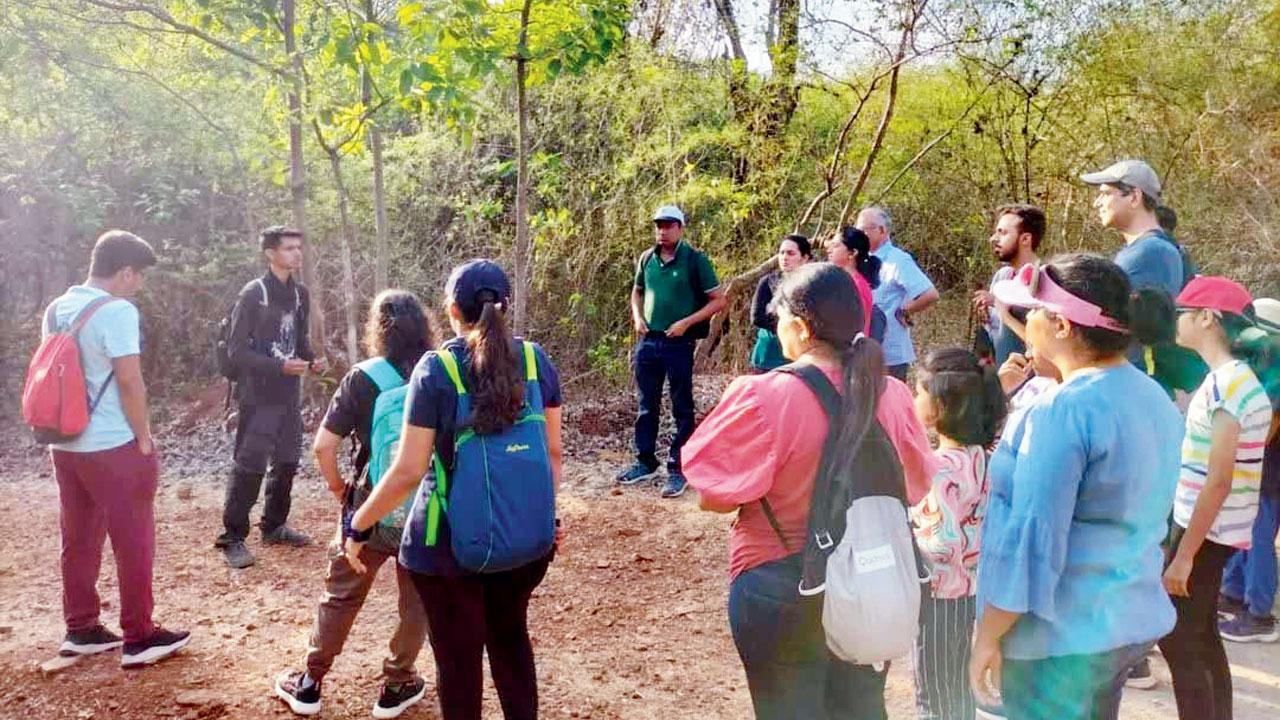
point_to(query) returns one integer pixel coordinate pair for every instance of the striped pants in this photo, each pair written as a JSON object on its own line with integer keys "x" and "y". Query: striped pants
{"x": 942, "y": 658}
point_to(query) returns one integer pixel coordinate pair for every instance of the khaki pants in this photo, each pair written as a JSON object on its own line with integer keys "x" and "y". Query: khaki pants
{"x": 345, "y": 591}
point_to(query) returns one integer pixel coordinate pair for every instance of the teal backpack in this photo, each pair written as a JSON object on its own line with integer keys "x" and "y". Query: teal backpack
{"x": 499, "y": 496}
{"x": 384, "y": 436}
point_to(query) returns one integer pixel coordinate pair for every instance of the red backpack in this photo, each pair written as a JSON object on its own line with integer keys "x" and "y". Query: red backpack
{"x": 55, "y": 399}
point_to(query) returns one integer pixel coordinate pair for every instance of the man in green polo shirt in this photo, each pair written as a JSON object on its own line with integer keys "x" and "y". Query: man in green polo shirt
{"x": 675, "y": 294}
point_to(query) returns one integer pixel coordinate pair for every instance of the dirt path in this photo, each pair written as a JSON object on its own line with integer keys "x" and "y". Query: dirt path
{"x": 630, "y": 622}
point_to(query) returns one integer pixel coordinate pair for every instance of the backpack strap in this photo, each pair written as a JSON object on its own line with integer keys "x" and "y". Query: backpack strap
{"x": 830, "y": 400}
{"x": 450, "y": 364}
{"x": 530, "y": 362}
{"x": 88, "y": 312}
{"x": 382, "y": 373}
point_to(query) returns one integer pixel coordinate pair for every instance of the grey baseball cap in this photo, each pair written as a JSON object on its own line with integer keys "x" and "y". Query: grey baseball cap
{"x": 669, "y": 212}
{"x": 1134, "y": 173}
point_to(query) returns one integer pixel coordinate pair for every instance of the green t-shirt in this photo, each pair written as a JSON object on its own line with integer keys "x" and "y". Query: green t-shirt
{"x": 668, "y": 286}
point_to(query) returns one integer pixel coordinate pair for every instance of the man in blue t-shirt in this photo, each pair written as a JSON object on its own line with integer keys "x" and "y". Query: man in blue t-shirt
{"x": 1015, "y": 240}
{"x": 107, "y": 476}
{"x": 904, "y": 290}
{"x": 1128, "y": 199}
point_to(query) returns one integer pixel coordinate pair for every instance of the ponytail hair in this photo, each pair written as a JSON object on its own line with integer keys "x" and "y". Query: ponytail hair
{"x": 868, "y": 265}
{"x": 494, "y": 373}
{"x": 398, "y": 328}
{"x": 824, "y": 297}
{"x": 973, "y": 404}
{"x": 1153, "y": 316}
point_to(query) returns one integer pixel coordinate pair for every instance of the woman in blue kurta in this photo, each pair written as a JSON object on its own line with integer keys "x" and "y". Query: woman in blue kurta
{"x": 1082, "y": 483}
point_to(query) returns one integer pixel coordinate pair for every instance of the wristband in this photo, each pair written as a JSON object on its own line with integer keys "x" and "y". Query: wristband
{"x": 349, "y": 530}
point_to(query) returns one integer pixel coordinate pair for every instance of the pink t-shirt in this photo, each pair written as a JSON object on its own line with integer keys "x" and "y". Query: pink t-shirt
{"x": 765, "y": 439}
{"x": 864, "y": 293}
{"x": 948, "y": 521}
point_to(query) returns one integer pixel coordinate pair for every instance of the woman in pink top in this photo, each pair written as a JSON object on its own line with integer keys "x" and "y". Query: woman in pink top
{"x": 764, "y": 440}
{"x": 850, "y": 250}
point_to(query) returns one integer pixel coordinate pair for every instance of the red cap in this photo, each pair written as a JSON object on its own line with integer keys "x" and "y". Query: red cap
{"x": 1215, "y": 293}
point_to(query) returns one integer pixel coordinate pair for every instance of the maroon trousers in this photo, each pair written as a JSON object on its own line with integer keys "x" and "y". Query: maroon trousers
{"x": 107, "y": 493}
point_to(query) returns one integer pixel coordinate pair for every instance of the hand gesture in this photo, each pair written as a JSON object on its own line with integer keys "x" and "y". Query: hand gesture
{"x": 295, "y": 367}
{"x": 351, "y": 549}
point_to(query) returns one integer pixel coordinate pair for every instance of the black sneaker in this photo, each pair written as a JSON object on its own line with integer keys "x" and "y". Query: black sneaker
{"x": 398, "y": 697}
{"x": 299, "y": 693}
{"x": 637, "y": 473}
{"x": 1247, "y": 627}
{"x": 675, "y": 485}
{"x": 237, "y": 555}
{"x": 1140, "y": 677}
{"x": 285, "y": 535}
{"x": 96, "y": 639}
{"x": 1229, "y": 607}
{"x": 162, "y": 644}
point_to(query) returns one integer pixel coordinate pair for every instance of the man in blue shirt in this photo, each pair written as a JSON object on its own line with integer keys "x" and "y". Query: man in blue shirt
{"x": 1128, "y": 198}
{"x": 904, "y": 290}
{"x": 1015, "y": 240}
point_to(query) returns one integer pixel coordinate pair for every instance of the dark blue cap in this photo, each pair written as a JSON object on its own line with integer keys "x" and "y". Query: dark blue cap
{"x": 470, "y": 284}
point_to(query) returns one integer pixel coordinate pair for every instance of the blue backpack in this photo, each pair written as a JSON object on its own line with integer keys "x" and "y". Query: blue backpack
{"x": 384, "y": 435}
{"x": 499, "y": 496}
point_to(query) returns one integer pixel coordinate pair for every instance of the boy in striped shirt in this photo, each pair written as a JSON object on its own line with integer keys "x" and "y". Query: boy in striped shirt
{"x": 1217, "y": 494}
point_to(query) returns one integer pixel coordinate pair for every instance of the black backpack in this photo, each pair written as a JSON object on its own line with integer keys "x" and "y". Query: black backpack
{"x": 697, "y": 331}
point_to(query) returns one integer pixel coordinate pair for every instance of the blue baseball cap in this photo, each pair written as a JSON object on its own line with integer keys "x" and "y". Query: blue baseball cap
{"x": 669, "y": 212}
{"x": 473, "y": 283}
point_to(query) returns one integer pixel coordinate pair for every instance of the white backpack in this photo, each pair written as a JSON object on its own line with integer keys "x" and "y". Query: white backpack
{"x": 860, "y": 551}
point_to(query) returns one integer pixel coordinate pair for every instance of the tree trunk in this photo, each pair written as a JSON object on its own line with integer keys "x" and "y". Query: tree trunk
{"x": 298, "y": 176}
{"x": 380, "y": 228}
{"x": 350, "y": 304}
{"x": 524, "y": 251}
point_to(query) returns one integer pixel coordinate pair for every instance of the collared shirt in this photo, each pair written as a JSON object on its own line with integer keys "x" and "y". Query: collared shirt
{"x": 113, "y": 332}
{"x": 901, "y": 281}
{"x": 1081, "y": 486}
{"x": 668, "y": 285}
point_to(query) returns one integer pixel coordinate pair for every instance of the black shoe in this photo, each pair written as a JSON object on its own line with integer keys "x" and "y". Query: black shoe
{"x": 638, "y": 472}
{"x": 237, "y": 555}
{"x": 675, "y": 485}
{"x": 162, "y": 644}
{"x": 301, "y": 695}
{"x": 96, "y": 639}
{"x": 398, "y": 697}
{"x": 1140, "y": 676}
{"x": 285, "y": 535}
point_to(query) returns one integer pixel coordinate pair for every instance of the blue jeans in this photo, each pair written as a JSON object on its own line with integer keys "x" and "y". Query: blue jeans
{"x": 657, "y": 359}
{"x": 790, "y": 672}
{"x": 1069, "y": 687}
{"x": 1251, "y": 574}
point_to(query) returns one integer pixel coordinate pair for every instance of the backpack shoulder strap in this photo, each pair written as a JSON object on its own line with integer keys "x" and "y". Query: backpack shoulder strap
{"x": 530, "y": 362}
{"x": 818, "y": 383}
{"x": 50, "y": 315}
{"x": 88, "y": 312}
{"x": 450, "y": 364}
{"x": 382, "y": 373}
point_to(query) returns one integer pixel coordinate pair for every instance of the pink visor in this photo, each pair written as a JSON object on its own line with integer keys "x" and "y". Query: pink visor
{"x": 1033, "y": 288}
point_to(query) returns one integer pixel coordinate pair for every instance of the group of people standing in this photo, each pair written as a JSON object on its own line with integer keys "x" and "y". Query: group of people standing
{"x": 1070, "y": 517}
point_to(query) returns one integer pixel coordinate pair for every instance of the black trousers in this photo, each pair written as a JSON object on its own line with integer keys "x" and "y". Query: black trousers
{"x": 1197, "y": 660}
{"x": 265, "y": 434}
{"x": 469, "y": 614}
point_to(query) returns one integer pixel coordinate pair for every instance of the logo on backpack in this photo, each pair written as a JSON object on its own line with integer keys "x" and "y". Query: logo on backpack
{"x": 499, "y": 496}
{"x": 55, "y": 396}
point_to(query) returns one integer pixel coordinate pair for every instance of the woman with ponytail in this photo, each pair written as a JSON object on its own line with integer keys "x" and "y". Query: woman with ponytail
{"x": 961, "y": 400}
{"x": 1217, "y": 497}
{"x": 850, "y": 250}
{"x": 469, "y": 613}
{"x": 764, "y": 442}
{"x": 1069, "y": 589}
{"x": 397, "y": 335}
